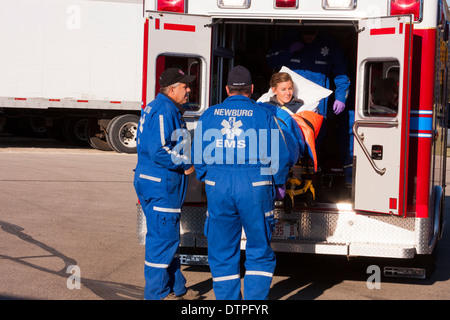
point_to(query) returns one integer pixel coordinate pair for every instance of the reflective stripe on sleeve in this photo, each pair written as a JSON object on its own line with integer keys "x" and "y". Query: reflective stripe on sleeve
{"x": 167, "y": 209}
{"x": 268, "y": 214}
{"x": 144, "y": 176}
{"x": 262, "y": 183}
{"x": 163, "y": 140}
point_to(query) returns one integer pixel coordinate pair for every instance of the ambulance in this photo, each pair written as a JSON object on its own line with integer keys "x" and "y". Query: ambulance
{"x": 395, "y": 206}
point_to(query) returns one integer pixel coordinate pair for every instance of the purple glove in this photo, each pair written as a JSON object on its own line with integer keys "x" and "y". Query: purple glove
{"x": 296, "y": 46}
{"x": 281, "y": 192}
{"x": 338, "y": 107}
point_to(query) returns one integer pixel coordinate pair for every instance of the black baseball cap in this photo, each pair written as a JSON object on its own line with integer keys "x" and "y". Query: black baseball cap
{"x": 174, "y": 75}
{"x": 239, "y": 76}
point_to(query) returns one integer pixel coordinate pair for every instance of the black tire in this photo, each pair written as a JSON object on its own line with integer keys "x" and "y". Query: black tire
{"x": 122, "y": 133}
{"x": 74, "y": 130}
{"x": 56, "y": 130}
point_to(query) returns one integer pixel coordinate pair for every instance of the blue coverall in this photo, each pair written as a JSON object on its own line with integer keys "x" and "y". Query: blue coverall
{"x": 320, "y": 61}
{"x": 241, "y": 156}
{"x": 161, "y": 185}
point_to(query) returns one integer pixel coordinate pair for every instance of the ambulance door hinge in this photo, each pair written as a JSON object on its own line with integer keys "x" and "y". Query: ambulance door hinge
{"x": 357, "y": 30}
{"x": 218, "y": 21}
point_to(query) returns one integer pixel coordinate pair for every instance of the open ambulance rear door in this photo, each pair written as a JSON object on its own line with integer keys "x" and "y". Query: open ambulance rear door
{"x": 182, "y": 41}
{"x": 382, "y": 115}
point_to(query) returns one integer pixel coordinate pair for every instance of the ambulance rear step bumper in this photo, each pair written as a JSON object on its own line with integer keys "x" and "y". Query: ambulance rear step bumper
{"x": 404, "y": 272}
{"x": 322, "y": 247}
{"x": 194, "y": 259}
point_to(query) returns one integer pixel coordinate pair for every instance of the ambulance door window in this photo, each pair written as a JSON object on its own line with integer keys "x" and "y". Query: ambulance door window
{"x": 189, "y": 65}
{"x": 381, "y": 88}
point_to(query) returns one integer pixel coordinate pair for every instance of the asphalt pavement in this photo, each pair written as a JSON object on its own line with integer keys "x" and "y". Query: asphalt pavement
{"x": 68, "y": 232}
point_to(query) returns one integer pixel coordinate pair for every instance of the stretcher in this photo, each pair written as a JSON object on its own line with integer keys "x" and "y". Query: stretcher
{"x": 300, "y": 181}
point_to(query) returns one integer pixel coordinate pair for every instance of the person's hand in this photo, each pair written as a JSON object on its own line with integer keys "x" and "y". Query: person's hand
{"x": 281, "y": 192}
{"x": 338, "y": 107}
{"x": 189, "y": 171}
{"x": 296, "y": 46}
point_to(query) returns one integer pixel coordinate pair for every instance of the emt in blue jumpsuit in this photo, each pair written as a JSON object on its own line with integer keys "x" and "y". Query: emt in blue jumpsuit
{"x": 318, "y": 57}
{"x": 241, "y": 156}
{"x": 160, "y": 181}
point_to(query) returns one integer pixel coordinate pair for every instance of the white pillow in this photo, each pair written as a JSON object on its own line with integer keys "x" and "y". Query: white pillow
{"x": 304, "y": 89}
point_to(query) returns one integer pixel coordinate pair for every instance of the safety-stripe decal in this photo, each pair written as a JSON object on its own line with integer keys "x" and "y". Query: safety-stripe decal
{"x": 179, "y": 27}
{"x": 382, "y": 31}
{"x": 421, "y": 124}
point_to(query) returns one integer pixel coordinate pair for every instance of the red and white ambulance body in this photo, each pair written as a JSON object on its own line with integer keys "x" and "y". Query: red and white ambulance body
{"x": 396, "y": 206}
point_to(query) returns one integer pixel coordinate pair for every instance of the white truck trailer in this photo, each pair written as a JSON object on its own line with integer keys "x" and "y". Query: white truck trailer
{"x": 73, "y": 69}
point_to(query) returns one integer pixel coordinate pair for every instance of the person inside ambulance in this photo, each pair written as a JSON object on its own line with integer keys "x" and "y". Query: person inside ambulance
{"x": 318, "y": 57}
{"x": 283, "y": 88}
{"x": 241, "y": 156}
{"x": 160, "y": 182}
{"x": 283, "y": 105}
{"x": 304, "y": 126}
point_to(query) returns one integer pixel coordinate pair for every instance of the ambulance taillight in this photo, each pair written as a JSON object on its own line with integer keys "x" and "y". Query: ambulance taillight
{"x": 286, "y": 4}
{"x": 172, "y": 5}
{"x": 414, "y": 7}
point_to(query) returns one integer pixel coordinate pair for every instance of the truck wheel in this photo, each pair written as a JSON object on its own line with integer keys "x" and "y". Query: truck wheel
{"x": 74, "y": 130}
{"x": 96, "y": 136}
{"x": 122, "y": 133}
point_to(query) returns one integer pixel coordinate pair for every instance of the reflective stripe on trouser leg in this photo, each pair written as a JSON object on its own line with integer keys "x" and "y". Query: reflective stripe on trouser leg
{"x": 223, "y": 231}
{"x": 227, "y": 287}
{"x": 257, "y": 285}
{"x": 258, "y": 222}
{"x": 162, "y": 269}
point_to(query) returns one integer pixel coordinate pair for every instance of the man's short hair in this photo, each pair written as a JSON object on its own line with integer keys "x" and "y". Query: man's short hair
{"x": 241, "y": 90}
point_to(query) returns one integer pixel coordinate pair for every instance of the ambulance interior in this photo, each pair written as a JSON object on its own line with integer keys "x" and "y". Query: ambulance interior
{"x": 247, "y": 43}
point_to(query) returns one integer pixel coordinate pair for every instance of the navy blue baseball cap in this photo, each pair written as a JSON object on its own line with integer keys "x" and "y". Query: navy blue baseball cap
{"x": 174, "y": 75}
{"x": 239, "y": 76}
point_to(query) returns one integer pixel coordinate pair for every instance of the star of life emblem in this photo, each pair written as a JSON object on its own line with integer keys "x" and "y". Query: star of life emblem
{"x": 231, "y": 127}
{"x": 324, "y": 51}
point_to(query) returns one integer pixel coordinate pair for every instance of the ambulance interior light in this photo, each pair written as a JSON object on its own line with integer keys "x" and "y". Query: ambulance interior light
{"x": 339, "y": 4}
{"x": 172, "y": 5}
{"x": 293, "y": 4}
{"x": 233, "y": 4}
{"x": 414, "y": 7}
